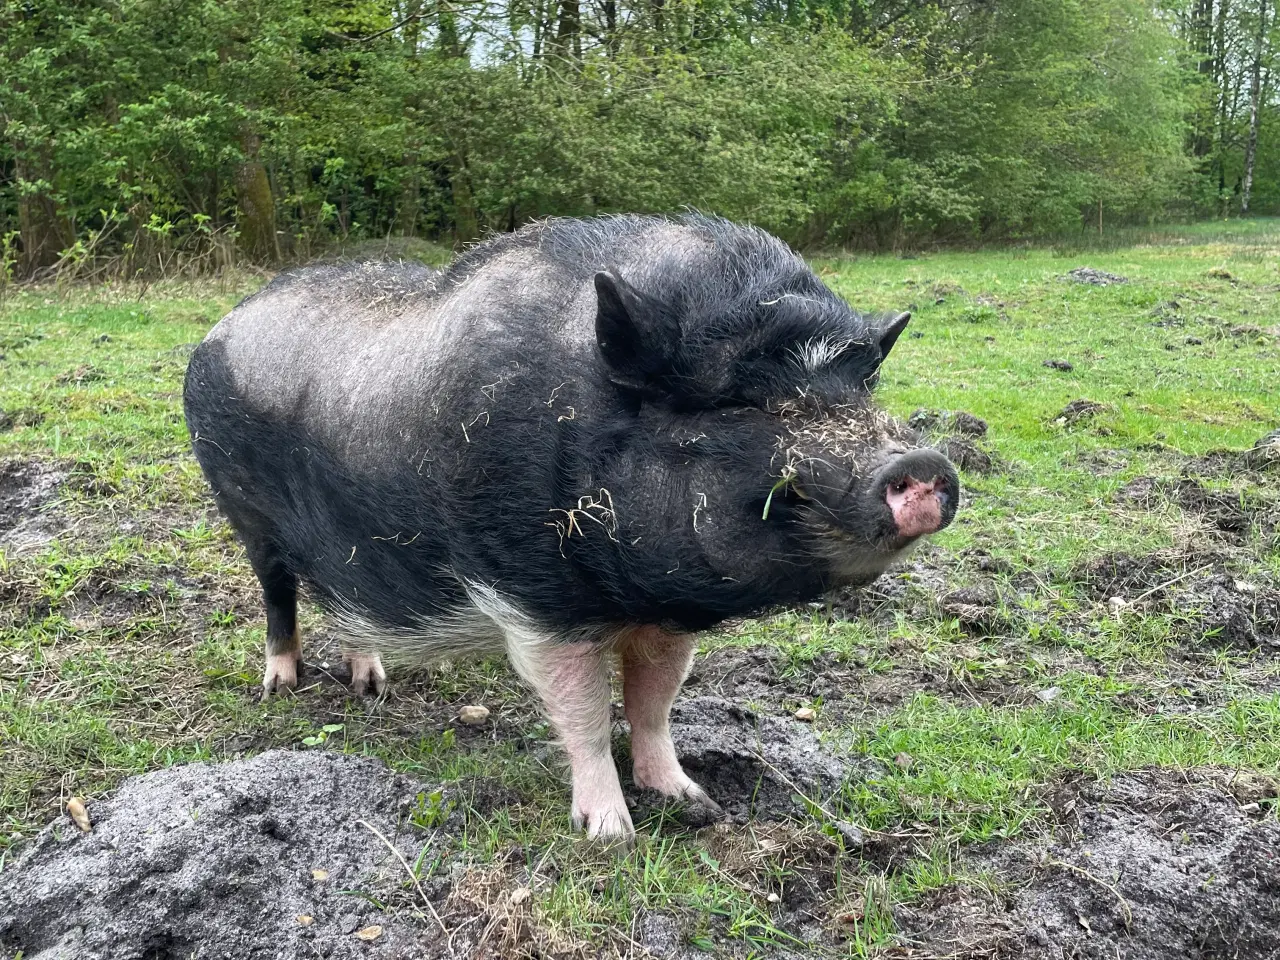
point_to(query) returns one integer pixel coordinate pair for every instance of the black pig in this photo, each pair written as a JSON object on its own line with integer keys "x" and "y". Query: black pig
{"x": 586, "y": 439}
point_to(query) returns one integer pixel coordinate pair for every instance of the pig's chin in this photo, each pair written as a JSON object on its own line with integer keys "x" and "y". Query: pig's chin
{"x": 853, "y": 561}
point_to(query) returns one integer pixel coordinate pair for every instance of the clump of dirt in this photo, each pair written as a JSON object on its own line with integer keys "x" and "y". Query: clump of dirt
{"x": 257, "y": 858}
{"x": 956, "y": 434}
{"x": 753, "y": 765}
{"x": 26, "y": 486}
{"x": 1156, "y": 865}
{"x": 1266, "y": 452}
{"x": 969, "y": 457}
{"x": 1078, "y": 411}
{"x": 947, "y": 421}
{"x": 1066, "y": 366}
{"x": 20, "y": 417}
{"x": 1094, "y": 278}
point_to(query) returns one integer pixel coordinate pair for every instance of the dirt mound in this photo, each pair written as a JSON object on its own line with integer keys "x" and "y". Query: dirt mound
{"x": 753, "y": 765}
{"x": 956, "y": 433}
{"x": 1149, "y": 867}
{"x": 25, "y": 487}
{"x": 1095, "y": 278}
{"x": 218, "y": 860}
{"x": 1078, "y": 411}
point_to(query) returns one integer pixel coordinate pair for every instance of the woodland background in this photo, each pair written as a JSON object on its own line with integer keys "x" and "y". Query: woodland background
{"x": 140, "y": 137}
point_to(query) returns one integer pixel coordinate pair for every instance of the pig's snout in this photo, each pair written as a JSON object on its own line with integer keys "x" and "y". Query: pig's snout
{"x": 920, "y": 489}
{"x": 911, "y": 493}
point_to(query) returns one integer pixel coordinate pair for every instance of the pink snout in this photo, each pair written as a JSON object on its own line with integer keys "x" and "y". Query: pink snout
{"x": 917, "y": 506}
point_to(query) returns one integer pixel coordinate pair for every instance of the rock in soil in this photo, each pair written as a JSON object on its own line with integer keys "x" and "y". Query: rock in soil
{"x": 217, "y": 860}
{"x": 1156, "y": 865}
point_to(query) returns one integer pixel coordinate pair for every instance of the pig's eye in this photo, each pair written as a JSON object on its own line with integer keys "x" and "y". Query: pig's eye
{"x": 899, "y": 486}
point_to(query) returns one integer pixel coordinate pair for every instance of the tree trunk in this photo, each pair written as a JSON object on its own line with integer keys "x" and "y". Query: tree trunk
{"x": 466, "y": 222}
{"x": 256, "y": 205}
{"x": 1255, "y": 107}
{"x": 1202, "y": 42}
{"x": 569, "y": 30}
{"x": 43, "y": 231}
{"x": 409, "y": 197}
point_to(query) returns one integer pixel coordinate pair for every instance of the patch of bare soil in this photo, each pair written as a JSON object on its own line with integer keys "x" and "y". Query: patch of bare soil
{"x": 26, "y": 489}
{"x": 1214, "y": 604}
{"x": 1155, "y": 865}
{"x": 1239, "y": 512}
{"x": 280, "y": 855}
{"x": 258, "y": 858}
{"x": 1093, "y": 277}
{"x": 754, "y": 765}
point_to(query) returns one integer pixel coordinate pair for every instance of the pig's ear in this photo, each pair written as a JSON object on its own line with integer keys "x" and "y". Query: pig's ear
{"x": 890, "y": 334}
{"x": 637, "y": 337}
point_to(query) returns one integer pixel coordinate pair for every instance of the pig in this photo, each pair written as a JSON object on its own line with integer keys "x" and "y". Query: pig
{"x": 585, "y": 441}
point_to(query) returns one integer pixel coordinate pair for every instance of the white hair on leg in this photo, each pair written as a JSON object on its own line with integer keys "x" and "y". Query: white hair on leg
{"x": 570, "y": 675}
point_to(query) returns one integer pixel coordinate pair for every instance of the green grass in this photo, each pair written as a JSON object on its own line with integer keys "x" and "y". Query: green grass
{"x": 133, "y": 640}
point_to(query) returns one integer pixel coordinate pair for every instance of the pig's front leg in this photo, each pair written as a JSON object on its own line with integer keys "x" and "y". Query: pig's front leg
{"x": 572, "y": 680}
{"x": 654, "y": 665}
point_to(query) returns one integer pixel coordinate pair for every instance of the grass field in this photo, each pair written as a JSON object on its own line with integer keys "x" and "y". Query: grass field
{"x": 1108, "y": 601}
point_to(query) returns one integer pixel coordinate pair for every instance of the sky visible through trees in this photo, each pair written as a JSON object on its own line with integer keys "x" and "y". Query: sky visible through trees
{"x": 154, "y": 134}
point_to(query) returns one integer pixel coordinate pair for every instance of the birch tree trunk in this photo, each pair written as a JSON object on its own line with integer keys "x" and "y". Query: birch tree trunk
{"x": 1255, "y": 107}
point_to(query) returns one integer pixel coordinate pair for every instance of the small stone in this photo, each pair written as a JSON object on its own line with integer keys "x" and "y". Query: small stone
{"x": 348, "y": 922}
{"x": 1049, "y": 695}
{"x": 305, "y": 919}
{"x": 851, "y": 833}
{"x": 1064, "y": 365}
{"x": 319, "y": 874}
{"x": 1250, "y": 807}
{"x": 1116, "y": 604}
{"x": 473, "y": 716}
{"x": 806, "y": 714}
{"x": 369, "y": 934}
{"x": 76, "y": 810}
{"x": 519, "y": 895}
{"x": 903, "y": 760}
{"x": 1244, "y": 586}
{"x": 773, "y": 898}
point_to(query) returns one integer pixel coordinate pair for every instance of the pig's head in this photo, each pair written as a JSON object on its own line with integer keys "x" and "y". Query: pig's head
{"x": 764, "y": 381}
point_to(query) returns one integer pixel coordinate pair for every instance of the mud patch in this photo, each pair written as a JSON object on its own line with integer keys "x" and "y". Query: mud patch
{"x": 217, "y": 860}
{"x": 1149, "y": 867}
{"x": 1236, "y": 512}
{"x": 1214, "y": 604}
{"x": 753, "y": 765}
{"x": 26, "y": 487}
{"x": 1094, "y": 278}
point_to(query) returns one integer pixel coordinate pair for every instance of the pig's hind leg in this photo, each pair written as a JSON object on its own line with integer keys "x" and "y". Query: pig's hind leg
{"x": 654, "y": 665}
{"x": 280, "y": 594}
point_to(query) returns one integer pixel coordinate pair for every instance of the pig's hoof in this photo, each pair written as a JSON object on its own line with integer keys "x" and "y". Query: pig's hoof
{"x": 611, "y": 826}
{"x": 281, "y": 674}
{"x": 367, "y": 675}
{"x": 696, "y": 795}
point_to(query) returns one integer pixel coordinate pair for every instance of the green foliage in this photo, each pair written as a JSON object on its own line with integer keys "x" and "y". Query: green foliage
{"x": 217, "y": 130}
